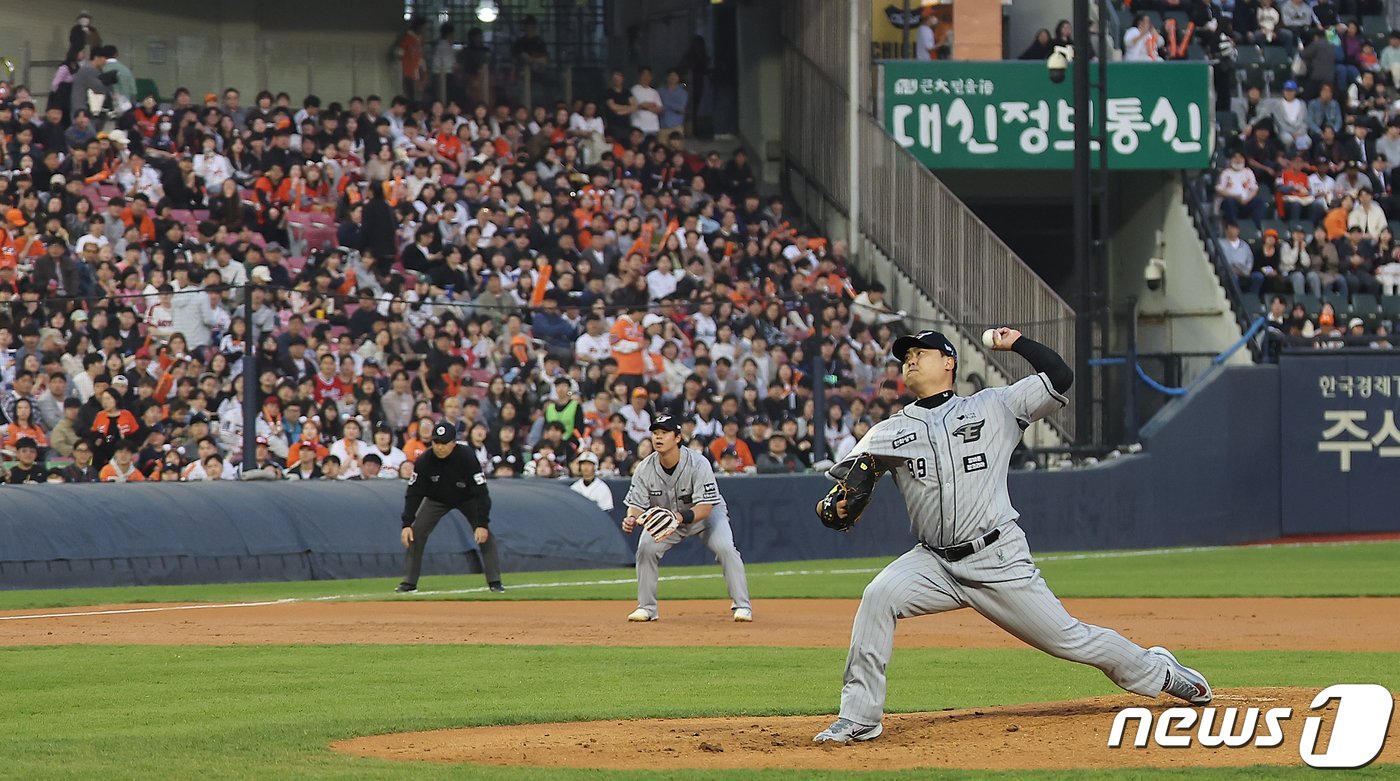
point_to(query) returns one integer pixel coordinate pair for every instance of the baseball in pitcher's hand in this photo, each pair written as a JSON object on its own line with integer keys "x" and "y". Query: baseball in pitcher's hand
{"x": 481, "y": 534}
{"x": 1003, "y": 338}
{"x": 406, "y": 537}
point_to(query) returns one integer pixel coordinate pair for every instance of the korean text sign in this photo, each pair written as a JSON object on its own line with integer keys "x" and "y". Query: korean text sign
{"x": 1009, "y": 114}
{"x": 1340, "y": 441}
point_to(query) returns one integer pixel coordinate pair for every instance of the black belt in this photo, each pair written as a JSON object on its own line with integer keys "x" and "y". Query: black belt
{"x": 960, "y": 552}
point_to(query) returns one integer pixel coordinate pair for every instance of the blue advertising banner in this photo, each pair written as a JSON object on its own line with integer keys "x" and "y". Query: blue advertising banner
{"x": 1340, "y": 445}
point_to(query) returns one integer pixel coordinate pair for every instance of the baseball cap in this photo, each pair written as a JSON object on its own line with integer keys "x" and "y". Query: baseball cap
{"x": 931, "y": 340}
{"x": 443, "y": 433}
{"x": 272, "y": 246}
{"x": 639, "y": 392}
{"x": 260, "y": 441}
{"x": 1293, "y": 85}
{"x": 80, "y": 316}
{"x": 261, "y": 274}
{"x": 26, "y": 442}
{"x": 121, "y": 380}
{"x": 587, "y": 456}
{"x": 729, "y": 451}
{"x": 143, "y": 353}
{"x": 666, "y": 423}
{"x": 1356, "y": 321}
{"x": 652, "y": 319}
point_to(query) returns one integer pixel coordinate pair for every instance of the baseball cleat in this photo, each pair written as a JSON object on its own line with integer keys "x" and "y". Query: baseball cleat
{"x": 743, "y": 614}
{"x": 1183, "y": 682}
{"x": 846, "y": 731}
{"x": 640, "y": 614}
{"x": 497, "y": 588}
{"x": 404, "y": 588}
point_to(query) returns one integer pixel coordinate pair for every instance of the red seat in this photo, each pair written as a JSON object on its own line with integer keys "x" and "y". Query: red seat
{"x": 481, "y": 376}
{"x": 319, "y": 237}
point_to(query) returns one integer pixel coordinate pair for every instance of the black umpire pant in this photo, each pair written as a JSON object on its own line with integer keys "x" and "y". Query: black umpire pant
{"x": 429, "y": 513}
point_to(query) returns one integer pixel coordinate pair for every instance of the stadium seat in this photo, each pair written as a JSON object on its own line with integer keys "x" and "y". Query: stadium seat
{"x": 146, "y": 87}
{"x": 1249, "y": 231}
{"x": 1339, "y": 303}
{"x": 1278, "y": 225}
{"x": 1390, "y": 307}
{"x": 1249, "y": 68}
{"x": 1311, "y": 303}
{"x": 1368, "y": 308}
{"x": 1371, "y": 25}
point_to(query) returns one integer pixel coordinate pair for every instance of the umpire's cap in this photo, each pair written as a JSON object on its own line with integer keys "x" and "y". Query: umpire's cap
{"x": 666, "y": 423}
{"x": 443, "y": 433}
{"x": 931, "y": 340}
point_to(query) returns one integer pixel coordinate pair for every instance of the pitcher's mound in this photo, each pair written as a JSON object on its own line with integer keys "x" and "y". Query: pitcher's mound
{"x": 1060, "y": 735}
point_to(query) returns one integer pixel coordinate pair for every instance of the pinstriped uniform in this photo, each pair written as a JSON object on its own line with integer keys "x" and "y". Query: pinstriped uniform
{"x": 690, "y": 484}
{"x": 950, "y": 463}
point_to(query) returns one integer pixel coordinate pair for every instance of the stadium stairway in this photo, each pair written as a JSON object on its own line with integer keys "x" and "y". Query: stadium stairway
{"x": 974, "y": 370}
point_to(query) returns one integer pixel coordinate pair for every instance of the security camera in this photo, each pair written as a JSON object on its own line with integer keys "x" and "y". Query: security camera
{"x": 1058, "y": 61}
{"x": 1155, "y": 275}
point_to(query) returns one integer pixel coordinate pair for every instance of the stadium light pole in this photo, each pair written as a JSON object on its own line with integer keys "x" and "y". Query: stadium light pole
{"x": 853, "y": 53}
{"x": 1083, "y": 231}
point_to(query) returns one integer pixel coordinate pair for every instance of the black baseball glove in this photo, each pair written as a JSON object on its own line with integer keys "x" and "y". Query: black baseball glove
{"x": 855, "y": 481}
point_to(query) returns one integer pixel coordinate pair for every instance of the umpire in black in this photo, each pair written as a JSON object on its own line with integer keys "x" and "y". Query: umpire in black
{"x": 446, "y": 478}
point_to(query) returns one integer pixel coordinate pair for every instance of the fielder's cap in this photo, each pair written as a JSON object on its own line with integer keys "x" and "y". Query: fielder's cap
{"x": 666, "y": 423}
{"x": 1293, "y": 85}
{"x": 587, "y": 456}
{"x": 443, "y": 433}
{"x": 930, "y": 340}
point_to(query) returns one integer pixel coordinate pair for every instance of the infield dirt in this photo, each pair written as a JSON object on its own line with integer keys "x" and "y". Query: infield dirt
{"x": 1202, "y": 624}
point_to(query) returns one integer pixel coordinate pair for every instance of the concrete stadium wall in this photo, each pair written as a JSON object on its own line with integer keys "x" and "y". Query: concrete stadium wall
{"x": 332, "y": 49}
{"x": 1218, "y": 468}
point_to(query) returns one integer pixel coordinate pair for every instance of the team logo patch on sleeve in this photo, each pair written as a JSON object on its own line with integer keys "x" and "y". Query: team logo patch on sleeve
{"x": 975, "y": 463}
{"x": 711, "y": 491}
{"x": 904, "y": 439}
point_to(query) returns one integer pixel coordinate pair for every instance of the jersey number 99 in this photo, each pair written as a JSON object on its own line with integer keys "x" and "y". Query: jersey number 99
{"x": 918, "y": 467}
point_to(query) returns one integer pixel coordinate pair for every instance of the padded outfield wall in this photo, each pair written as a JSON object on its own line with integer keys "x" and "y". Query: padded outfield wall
{"x": 1252, "y": 454}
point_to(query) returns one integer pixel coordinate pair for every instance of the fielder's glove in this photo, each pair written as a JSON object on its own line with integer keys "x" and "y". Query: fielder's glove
{"x": 659, "y": 522}
{"x": 855, "y": 481}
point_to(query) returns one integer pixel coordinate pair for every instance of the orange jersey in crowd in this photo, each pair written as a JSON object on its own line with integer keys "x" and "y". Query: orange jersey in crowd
{"x": 626, "y": 333}
{"x": 110, "y": 474}
{"x": 414, "y": 448}
{"x": 720, "y": 444}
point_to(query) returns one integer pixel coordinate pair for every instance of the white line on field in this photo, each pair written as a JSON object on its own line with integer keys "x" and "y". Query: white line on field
{"x": 670, "y": 578}
{"x": 161, "y": 609}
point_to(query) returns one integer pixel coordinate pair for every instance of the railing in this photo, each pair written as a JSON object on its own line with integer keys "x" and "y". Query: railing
{"x": 913, "y": 218}
{"x": 1198, "y": 203}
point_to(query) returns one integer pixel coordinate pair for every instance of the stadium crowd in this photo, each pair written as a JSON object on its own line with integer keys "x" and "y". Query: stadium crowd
{"x": 1309, "y": 138}
{"x": 545, "y": 278}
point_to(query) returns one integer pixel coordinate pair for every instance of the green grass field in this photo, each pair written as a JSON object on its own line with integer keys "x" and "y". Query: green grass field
{"x": 269, "y": 712}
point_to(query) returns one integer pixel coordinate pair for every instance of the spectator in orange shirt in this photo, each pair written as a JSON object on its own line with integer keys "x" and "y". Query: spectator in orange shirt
{"x": 732, "y": 440}
{"x": 310, "y": 438}
{"x": 417, "y": 443}
{"x": 24, "y": 425}
{"x": 410, "y": 52}
{"x": 629, "y": 346}
{"x": 120, "y": 469}
{"x": 112, "y": 425}
{"x": 137, "y": 214}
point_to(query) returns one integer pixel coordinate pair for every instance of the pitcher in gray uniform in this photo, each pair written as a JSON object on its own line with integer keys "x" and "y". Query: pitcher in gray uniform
{"x": 681, "y": 480}
{"x": 949, "y": 455}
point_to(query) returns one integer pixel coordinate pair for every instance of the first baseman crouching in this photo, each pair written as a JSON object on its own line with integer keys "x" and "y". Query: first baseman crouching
{"x": 674, "y": 496}
{"x": 949, "y": 456}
